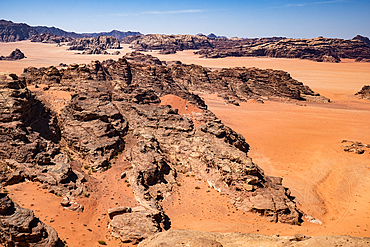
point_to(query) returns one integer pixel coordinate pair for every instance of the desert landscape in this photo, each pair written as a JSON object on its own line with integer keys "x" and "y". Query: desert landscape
{"x": 167, "y": 140}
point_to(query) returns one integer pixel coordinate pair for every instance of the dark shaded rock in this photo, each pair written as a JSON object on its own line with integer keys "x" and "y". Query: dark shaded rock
{"x": 20, "y": 227}
{"x": 364, "y": 93}
{"x": 11, "y": 32}
{"x": 366, "y": 40}
{"x": 14, "y": 55}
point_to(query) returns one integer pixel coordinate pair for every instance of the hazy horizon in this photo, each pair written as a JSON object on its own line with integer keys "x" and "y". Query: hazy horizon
{"x": 248, "y": 19}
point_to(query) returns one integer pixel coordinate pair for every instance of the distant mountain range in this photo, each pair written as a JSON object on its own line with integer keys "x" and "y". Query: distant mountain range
{"x": 10, "y": 32}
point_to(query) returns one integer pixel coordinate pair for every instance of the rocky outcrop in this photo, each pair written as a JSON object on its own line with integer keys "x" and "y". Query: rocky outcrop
{"x": 14, "y": 55}
{"x": 94, "y": 45}
{"x": 364, "y": 93}
{"x": 114, "y": 107}
{"x": 354, "y": 147}
{"x": 49, "y": 38}
{"x": 196, "y": 238}
{"x": 11, "y": 32}
{"x": 134, "y": 225}
{"x": 20, "y": 227}
{"x": 29, "y": 141}
{"x": 169, "y": 42}
{"x": 93, "y": 127}
{"x": 363, "y": 39}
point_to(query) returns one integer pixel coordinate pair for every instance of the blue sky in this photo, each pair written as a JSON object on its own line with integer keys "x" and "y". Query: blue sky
{"x": 232, "y": 18}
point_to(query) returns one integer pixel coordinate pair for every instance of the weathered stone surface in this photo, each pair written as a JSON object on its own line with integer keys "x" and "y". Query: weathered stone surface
{"x": 192, "y": 238}
{"x": 169, "y": 42}
{"x": 118, "y": 210}
{"x": 14, "y": 55}
{"x": 136, "y": 225}
{"x": 49, "y": 38}
{"x": 20, "y": 227}
{"x": 29, "y": 140}
{"x": 94, "y": 45}
{"x": 94, "y": 127}
{"x": 364, "y": 93}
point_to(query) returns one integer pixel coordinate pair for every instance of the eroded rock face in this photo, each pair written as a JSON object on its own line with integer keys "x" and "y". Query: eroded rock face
{"x": 134, "y": 225}
{"x": 94, "y": 45}
{"x": 171, "y": 43}
{"x": 364, "y": 93}
{"x": 192, "y": 238}
{"x": 50, "y": 38}
{"x": 29, "y": 141}
{"x": 14, "y": 55}
{"x": 93, "y": 127}
{"x": 11, "y": 32}
{"x": 20, "y": 227}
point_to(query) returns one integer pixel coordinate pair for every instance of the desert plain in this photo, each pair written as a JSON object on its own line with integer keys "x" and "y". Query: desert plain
{"x": 298, "y": 141}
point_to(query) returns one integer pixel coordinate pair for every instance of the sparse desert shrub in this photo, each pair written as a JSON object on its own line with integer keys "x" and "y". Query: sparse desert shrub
{"x": 86, "y": 167}
{"x": 102, "y": 242}
{"x": 197, "y": 187}
{"x": 128, "y": 185}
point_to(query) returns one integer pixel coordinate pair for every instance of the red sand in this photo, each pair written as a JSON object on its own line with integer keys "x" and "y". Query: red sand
{"x": 299, "y": 142}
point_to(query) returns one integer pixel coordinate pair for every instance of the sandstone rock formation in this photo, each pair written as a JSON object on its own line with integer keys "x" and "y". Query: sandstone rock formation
{"x": 364, "y": 93}
{"x": 14, "y": 55}
{"x": 134, "y": 225}
{"x": 29, "y": 141}
{"x": 20, "y": 227}
{"x": 170, "y": 43}
{"x": 196, "y": 238}
{"x": 363, "y": 39}
{"x": 318, "y": 49}
{"x": 49, "y": 38}
{"x": 11, "y": 32}
{"x": 94, "y": 45}
{"x": 113, "y": 97}
{"x": 114, "y": 108}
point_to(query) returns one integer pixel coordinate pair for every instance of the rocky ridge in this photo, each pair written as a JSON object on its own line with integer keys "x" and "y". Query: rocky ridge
{"x": 11, "y": 32}
{"x": 318, "y": 49}
{"x": 114, "y": 108}
{"x": 14, "y": 55}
